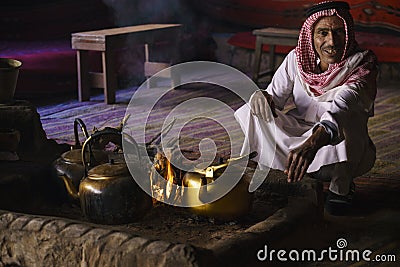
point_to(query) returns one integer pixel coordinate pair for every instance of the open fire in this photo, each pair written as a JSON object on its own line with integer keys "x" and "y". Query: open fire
{"x": 165, "y": 191}
{"x": 203, "y": 189}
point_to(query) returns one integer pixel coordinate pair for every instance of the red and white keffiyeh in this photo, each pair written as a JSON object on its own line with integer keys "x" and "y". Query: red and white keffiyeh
{"x": 306, "y": 57}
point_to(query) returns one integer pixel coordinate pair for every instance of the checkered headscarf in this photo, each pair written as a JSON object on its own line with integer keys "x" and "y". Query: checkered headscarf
{"x": 307, "y": 57}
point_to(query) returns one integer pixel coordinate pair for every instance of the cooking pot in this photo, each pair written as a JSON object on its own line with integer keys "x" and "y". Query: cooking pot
{"x": 108, "y": 193}
{"x": 70, "y": 166}
{"x": 236, "y": 203}
{"x": 9, "y": 70}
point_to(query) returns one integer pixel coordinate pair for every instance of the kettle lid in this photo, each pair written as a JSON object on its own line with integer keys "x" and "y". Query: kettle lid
{"x": 75, "y": 156}
{"x": 108, "y": 170}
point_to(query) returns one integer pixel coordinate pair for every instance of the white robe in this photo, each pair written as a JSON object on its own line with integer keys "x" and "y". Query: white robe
{"x": 341, "y": 105}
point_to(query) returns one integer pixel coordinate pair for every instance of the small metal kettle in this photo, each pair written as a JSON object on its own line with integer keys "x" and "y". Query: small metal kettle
{"x": 69, "y": 165}
{"x": 108, "y": 193}
{"x": 236, "y": 203}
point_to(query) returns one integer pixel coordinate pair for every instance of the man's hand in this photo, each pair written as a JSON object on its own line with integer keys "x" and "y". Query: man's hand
{"x": 300, "y": 158}
{"x": 260, "y": 102}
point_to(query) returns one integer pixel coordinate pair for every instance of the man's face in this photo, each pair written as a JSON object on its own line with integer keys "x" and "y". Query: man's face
{"x": 329, "y": 40}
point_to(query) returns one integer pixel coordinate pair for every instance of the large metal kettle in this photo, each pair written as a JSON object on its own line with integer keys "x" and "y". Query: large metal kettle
{"x": 108, "y": 193}
{"x": 70, "y": 165}
{"x": 236, "y": 203}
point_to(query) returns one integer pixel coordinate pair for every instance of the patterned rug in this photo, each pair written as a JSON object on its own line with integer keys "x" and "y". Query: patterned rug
{"x": 385, "y": 132}
{"x": 58, "y": 120}
{"x": 383, "y": 180}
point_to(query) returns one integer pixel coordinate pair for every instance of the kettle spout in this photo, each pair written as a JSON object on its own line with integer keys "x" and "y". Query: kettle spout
{"x": 70, "y": 187}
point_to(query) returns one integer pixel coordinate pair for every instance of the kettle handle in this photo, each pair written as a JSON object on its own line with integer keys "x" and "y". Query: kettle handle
{"x": 96, "y": 135}
{"x": 79, "y": 122}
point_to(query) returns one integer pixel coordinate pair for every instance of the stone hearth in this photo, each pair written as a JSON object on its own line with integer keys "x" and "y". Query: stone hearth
{"x": 28, "y": 184}
{"x": 67, "y": 239}
{"x": 40, "y": 227}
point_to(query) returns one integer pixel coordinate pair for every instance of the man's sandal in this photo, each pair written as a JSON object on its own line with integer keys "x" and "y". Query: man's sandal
{"x": 339, "y": 205}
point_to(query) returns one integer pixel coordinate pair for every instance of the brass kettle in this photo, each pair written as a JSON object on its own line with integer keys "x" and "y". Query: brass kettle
{"x": 70, "y": 166}
{"x": 236, "y": 203}
{"x": 108, "y": 193}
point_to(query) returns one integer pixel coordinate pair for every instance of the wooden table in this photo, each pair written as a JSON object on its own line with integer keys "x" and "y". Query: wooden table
{"x": 272, "y": 37}
{"x": 106, "y": 41}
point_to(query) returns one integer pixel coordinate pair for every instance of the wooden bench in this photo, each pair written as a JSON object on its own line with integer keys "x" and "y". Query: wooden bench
{"x": 281, "y": 41}
{"x": 107, "y": 41}
{"x": 272, "y": 37}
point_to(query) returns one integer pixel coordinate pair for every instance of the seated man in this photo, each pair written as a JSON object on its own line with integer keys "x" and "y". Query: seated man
{"x": 333, "y": 86}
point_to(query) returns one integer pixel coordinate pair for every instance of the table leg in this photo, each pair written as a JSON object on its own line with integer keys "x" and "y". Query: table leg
{"x": 175, "y": 58}
{"x": 83, "y": 75}
{"x": 109, "y": 77}
{"x": 257, "y": 59}
{"x": 272, "y": 59}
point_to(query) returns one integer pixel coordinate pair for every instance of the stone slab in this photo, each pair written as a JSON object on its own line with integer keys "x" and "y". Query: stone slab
{"x": 32, "y": 240}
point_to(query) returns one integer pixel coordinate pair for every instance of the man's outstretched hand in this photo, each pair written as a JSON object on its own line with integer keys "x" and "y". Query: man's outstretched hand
{"x": 300, "y": 158}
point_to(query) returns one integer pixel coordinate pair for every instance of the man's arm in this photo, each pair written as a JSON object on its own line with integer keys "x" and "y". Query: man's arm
{"x": 300, "y": 158}
{"x": 277, "y": 92}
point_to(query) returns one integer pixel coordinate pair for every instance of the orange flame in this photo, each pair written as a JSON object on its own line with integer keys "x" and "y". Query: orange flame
{"x": 170, "y": 173}
{"x": 169, "y": 176}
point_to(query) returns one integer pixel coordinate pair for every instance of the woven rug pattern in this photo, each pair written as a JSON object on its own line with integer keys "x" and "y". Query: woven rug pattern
{"x": 58, "y": 120}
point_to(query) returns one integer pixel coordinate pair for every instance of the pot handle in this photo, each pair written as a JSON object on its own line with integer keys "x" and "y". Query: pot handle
{"x": 108, "y": 131}
{"x": 79, "y": 122}
{"x": 208, "y": 172}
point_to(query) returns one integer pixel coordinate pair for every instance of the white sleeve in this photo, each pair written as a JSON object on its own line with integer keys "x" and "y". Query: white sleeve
{"x": 281, "y": 86}
{"x": 341, "y": 113}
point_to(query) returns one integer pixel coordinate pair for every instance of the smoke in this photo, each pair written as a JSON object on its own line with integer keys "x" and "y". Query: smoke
{"x": 196, "y": 42}
{"x": 133, "y": 12}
